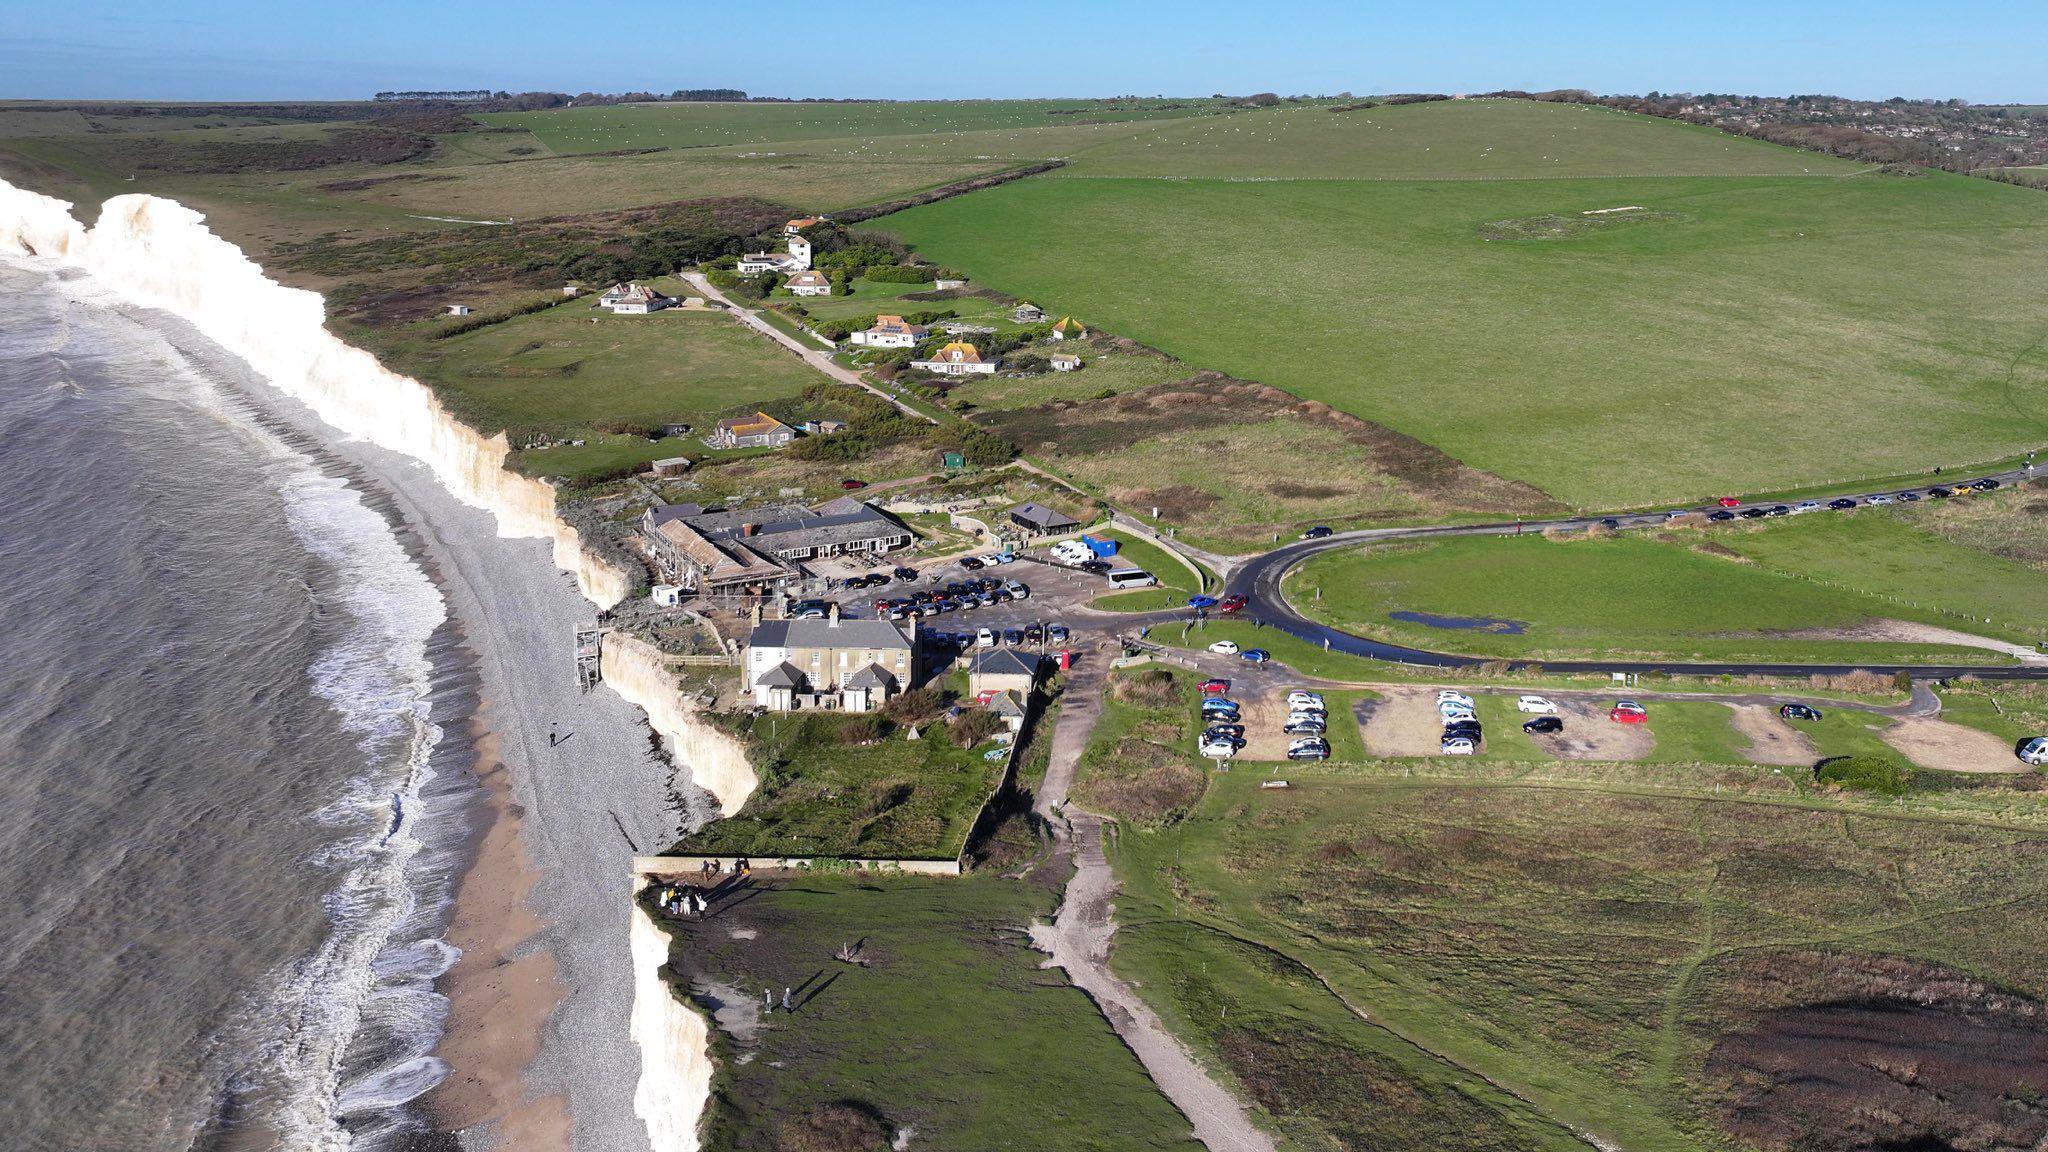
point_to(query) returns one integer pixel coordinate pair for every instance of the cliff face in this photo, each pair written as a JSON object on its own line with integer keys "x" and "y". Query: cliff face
{"x": 675, "y": 1045}
{"x": 160, "y": 254}
{"x": 718, "y": 762}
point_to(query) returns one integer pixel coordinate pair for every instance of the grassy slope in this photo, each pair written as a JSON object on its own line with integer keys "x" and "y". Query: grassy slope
{"x": 952, "y": 1029}
{"x": 1833, "y": 311}
{"x": 1573, "y": 940}
{"x": 1636, "y": 594}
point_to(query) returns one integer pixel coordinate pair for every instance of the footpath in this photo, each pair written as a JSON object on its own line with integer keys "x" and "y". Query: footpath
{"x": 1079, "y": 937}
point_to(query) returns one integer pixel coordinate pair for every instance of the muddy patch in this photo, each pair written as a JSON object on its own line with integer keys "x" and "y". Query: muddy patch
{"x": 1771, "y": 739}
{"x": 1589, "y": 735}
{"x": 1878, "y": 1053}
{"x": 1461, "y": 623}
{"x": 1948, "y": 747}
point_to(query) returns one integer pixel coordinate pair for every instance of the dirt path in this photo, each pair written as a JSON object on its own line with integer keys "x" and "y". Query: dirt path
{"x": 1932, "y": 743}
{"x": 1079, "y": 939}
{"x": 1771, "y": 739}
{"x": 1909, "y": 632}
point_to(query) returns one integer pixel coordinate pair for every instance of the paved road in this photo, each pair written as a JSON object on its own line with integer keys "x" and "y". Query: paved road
{"x": 814, "y": 356}
{"x": 1259, "y": 578}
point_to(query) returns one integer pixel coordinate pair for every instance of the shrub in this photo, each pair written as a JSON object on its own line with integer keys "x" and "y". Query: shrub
{"x": 973, "y": 726}
{"x": 1879, "y": 774}
{"x": 1151, "y": 688}
{"x": 899, "y": 274}
{"x": 915, "y": 706}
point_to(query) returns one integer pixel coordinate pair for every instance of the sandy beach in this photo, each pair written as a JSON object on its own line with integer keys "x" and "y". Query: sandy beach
{"x": 537, "y": 1037}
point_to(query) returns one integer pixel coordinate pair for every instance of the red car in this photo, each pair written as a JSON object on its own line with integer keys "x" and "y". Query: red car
{"x": 1628, "y": 712}
{"x": 853, "y": 485}
{"x": 1231, "y": 604}
{"x": 1728, "y": 502}
{"x": 1215, "y": 687}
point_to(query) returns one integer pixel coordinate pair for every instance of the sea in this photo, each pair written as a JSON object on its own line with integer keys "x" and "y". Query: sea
{"x": 235, "y": 789}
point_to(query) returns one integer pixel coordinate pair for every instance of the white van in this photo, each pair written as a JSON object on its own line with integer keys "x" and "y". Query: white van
{"x": 1131, "y": 578}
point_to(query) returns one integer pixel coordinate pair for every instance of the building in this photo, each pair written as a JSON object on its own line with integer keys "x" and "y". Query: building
{"x": 632, "y": 300}
{"x": 963, "y": 328}
{"x": 810, "y": 282}
{"x": 850, "y": 665}
{"x": 957, "y": 359}
{"x": 1063, "y": 361}
{"x": 942, "y": 283}
{"x": 1038, "y": 520}
{"x": 757, "y": 550}
{"x": 755, "y": 263}
{"x": 757, "y": 431}
{"x": 1068, "y": 326}
{"x": 1011, "y": 709}
{"x": 1028, "y": 313}
{"x": 572, "y": 290}
{"x": 890, "y": 332}
{"x": 822, "y": 427}
{"x": 799, "y": 224}
{"x": 458, "y": 309}
{"x": 672, "y": 466}
{"x": 998, "y": 670}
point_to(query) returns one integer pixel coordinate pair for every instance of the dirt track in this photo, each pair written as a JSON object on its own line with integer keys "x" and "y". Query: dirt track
{"x": 1951, "y": 747}
{"x": 1771, "y": 739}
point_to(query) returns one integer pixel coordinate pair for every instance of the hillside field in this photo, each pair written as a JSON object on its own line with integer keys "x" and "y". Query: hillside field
{"x": 1741, "y": 332}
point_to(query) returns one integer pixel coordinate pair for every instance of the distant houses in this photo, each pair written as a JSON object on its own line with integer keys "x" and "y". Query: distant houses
{"x": 759, "y": 430}
{"x": 958, "y": 359}
{"x": 809, "y": 282}
{"x": 632, "y": 300}
{"x": 890, "y": 332}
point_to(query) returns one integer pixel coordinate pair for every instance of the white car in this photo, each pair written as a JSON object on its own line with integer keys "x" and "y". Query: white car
{"x": 1806, "y": 506}
{"x": 1449, "y": 706}
{"x": 2034, "y": 751}
{"x": 1224, "y": 647}
{"x": 1458, "y": 746}
{"x": 1536, "y": 704}
{"x": 984, "y": 639}
{"x": 1218, "y": 750}
{"x": 1453, "y": 694}
{"x": 1879, "y": 501}
{"x": 1306, "y": 718}
{"x": 1303, "y": 696}
{"x": 1458, "y": 717}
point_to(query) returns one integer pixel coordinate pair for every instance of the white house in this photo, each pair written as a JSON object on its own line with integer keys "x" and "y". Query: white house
{"x": 890, "y": 332}
{"x": 810, "y": 282}
{"x": 799, "y": 224}
{"x": 957, "y": 359}
{"x": 1063, "y": 361}
{"x": 797, "y": 259}
{"x": 632, "y": 300}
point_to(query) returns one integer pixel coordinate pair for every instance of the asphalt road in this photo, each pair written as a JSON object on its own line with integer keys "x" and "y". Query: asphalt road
{"x": 1259, "y": 578}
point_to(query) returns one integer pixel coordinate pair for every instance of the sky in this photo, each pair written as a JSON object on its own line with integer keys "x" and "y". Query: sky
{"x": 1979, "y": 50}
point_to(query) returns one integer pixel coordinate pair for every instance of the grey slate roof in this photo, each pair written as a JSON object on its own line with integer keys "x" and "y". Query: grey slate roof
{"x": 879, "y": 635}
{"x": 871, "y": 676}
{"x": 780, "y": 676}
{"x": 1003, "y": 662}
{"x": 1006, "y": 703}
{"x": 1039, "y": 516}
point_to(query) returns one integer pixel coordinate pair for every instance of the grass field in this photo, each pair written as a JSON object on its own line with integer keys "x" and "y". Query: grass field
{"x": 1358, "y": 948}
{"x": 1801, "y": 589}
{"x": 1873, "y": 324}
{"x": 948, "y": 1028}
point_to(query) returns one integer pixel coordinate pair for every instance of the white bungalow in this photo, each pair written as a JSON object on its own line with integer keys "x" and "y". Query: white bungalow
{"x": 958, "y": 359}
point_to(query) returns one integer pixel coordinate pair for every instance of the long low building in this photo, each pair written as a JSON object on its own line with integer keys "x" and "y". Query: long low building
{"x": 738, "y": 549}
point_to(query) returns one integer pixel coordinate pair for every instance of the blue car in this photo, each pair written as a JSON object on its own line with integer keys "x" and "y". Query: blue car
{"x": 1255, "y": 655}
{"x": 1201, "y": 601}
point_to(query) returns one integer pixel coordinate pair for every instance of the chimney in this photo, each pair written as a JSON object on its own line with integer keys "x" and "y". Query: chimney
{"x": 832, "y": 615}
{"x": 750, "y": 529}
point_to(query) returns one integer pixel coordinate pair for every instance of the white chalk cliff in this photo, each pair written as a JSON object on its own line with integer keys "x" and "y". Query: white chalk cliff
{"x": 160, "y": 254}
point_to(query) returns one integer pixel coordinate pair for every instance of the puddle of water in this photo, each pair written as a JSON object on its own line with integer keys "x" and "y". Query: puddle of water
{"x": 1461, "y": 623}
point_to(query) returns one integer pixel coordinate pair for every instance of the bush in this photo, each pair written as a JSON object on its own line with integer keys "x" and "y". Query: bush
{"x": 1150, "y": 688}
{"x": 915, "y": 706}
{"x": 899, "y": 274}
{"x": 1879, "y": 774}
{"x": 973, "y": 726}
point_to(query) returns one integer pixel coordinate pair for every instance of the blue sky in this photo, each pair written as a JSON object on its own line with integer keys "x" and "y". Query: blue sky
{"x": 1982, "y": 50}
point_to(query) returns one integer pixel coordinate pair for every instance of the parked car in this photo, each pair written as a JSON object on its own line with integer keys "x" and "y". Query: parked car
{"x": 1316, "y": 533}
{"x": 1628, "y": 712}
{"x": 1470, "y": 729}
{"x": 2034, "y": 751}
{"x": 1984, "y": 485}
{"x": 1056, "y": 633}
{"x": 1217, "y": 750}
{"x": 1457, "y": 746}
{"x": 1806, "y": 506}
{"x": 1255, "y": 655}
{"x": 1231, "y": 604}
{"x": 1720, "y": 514}
{"x": 905, "y": 573}
{"x": 1224, "y": 647}
{"x": 1225, "y": 729}
{"x": 1309, "y": 750}
{"x": 1753, "y": 513}
{"x": 1798, "y": 712}
{"x": 1443, "y": 694}
{"x": 1018, "y": 589}
{"x": 1841, "y": 504}
{"x": 809, "y": 610}
{"x": 1610, "y": 523}
{"x": 1454, "y": 708}
{"x": 972, "y": 563}
{"x": 1013, "y": 636}
{"x": 1909, "y": 497}
{"x": 1544, "y": 724}
{"x": 985, "y": 638}
{"x": 1215, "y": 687}
{"x": 1003, "y": 558}
{"x": 1879, "y": 500}
{"x": 1217, "y": 736}
{"x": 852, "y": 485}
{"x": 1316, "y": 717}
{"x": 1095, "y": 567}
{"x": 1939, "y": 492}
{"x": 1778, "y": 510}
{"x": 1034, "y": 633}
{"x": 1538, "y": 704}
{"x": 1301, "y": 696}
{"x": 1215, "y": 704}
{"x": 1303, "y": 728}
{"x": 1728, "y": 502}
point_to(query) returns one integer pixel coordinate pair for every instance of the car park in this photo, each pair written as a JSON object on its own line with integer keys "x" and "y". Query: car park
{"x": 1806, "y": 506}
{"x": 1316, "y": 533}
{"x": 1798, "y": 712}
{"x": 1224, "y": 647}
{"x": 1255, "y": 655}
{"x": 1231, "y": 603}
{"x": 1842, "y": 504}
{"x": 2033, "y": 751}
{"x": 1546, "y": 725}
{"x": 1457, "y": 746}
{"x": 1538, "y": 704}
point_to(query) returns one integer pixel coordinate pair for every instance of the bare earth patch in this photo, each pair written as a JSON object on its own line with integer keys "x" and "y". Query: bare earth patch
{"x": 1589, "y": 735}
{"x": 1950, "y": 747}
{"x": 1771, "y": 739}
{"x": 1265, "y": 710}
{"x": 1908, "y": 632}
{"x": 1406, "y": 723}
